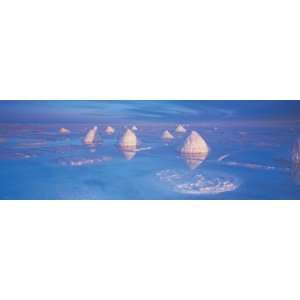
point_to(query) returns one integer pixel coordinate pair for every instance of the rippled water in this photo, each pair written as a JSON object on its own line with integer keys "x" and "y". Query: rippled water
{"x": 245, "y": 162}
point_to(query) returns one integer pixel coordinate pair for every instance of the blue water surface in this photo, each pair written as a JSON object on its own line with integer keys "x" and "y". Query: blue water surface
{"x": 250, "y": 154}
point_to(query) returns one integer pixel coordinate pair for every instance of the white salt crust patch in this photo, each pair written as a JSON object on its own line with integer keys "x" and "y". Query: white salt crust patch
{"x": 249, "y": 165}
{"x": 205, "y": 186}
{"x": 198, "y": 184}
{"x": 255, "y": 166}
{"x": 84, "y": 162}
{"x": 143, "y": 149}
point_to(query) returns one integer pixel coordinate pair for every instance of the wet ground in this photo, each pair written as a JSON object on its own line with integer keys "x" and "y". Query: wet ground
{"x": 244, "y": 162}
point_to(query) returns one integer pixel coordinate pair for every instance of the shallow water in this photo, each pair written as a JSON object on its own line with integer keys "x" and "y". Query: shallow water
{"x": 245, "y": 162}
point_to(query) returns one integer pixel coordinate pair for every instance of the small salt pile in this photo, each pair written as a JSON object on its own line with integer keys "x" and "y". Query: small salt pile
{"x": 128, "y": 140}
{"x": 64, "y": 130}
{"x": 109, "y": 130}
{"x": 180, "y": 129}
{"x": 134, "y": 128}
{"x": 194, "y": 144}
{"x": 91, "y": 136}
{"x": 167, "y": 135}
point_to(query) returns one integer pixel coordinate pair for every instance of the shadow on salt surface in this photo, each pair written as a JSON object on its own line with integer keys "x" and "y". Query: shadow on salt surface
{"x": 198, "y": 184}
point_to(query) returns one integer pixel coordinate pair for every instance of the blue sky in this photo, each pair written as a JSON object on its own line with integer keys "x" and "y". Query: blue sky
{"x": 177, "y": 111}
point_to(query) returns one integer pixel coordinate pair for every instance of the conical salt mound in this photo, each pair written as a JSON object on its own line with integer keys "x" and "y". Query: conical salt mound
{"x": 194, "y": 160}
{"x": 91, "y": 136}
{"x": 167, "y": 135}
{"x": 64, "y": 131}
{"x": 128, "y": 139}
{"x": 134, "y": 128}
{"x": 296, "y": 152}
{"x": 194, "y": 144}
{"x": 180, "y": 129}
{"x": 109, "y": 130}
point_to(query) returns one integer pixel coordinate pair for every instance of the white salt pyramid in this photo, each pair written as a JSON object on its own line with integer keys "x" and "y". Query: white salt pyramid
{"x": 194, "y": 160}
{"x": 134, "y": 128}
{"x": 194, "y": 144}
{"x": 109, "y": 130}
{"x": 91, "y": 136}
{"x": 128, "y": 140}
{"x": 64, "y": 130}
{"x": 167, "y": 135}
{"x": 180, "y": 129}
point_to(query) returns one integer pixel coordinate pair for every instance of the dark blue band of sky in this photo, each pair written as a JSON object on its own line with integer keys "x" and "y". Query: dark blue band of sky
{"x": 47, "y": 111}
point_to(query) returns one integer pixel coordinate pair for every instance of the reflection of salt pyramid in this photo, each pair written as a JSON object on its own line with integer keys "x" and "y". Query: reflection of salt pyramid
{"x": 128, "y": 139}
{"x": 296, "y": 152}
{"x": 180, "y": 129}
{"x": 134, "y": 128}
{"x": 109, "y": 130}
{"x": 167, "y": 135}
{"x": 296, "y": 161}
{"x": 194, "y": 143}
{"x": 296, "y": 173}
{"x": 91, "y": 136}
{"x": 194, "y": 160}
{"x": 128, "y": 152}
{"x": 64, "y": 130}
